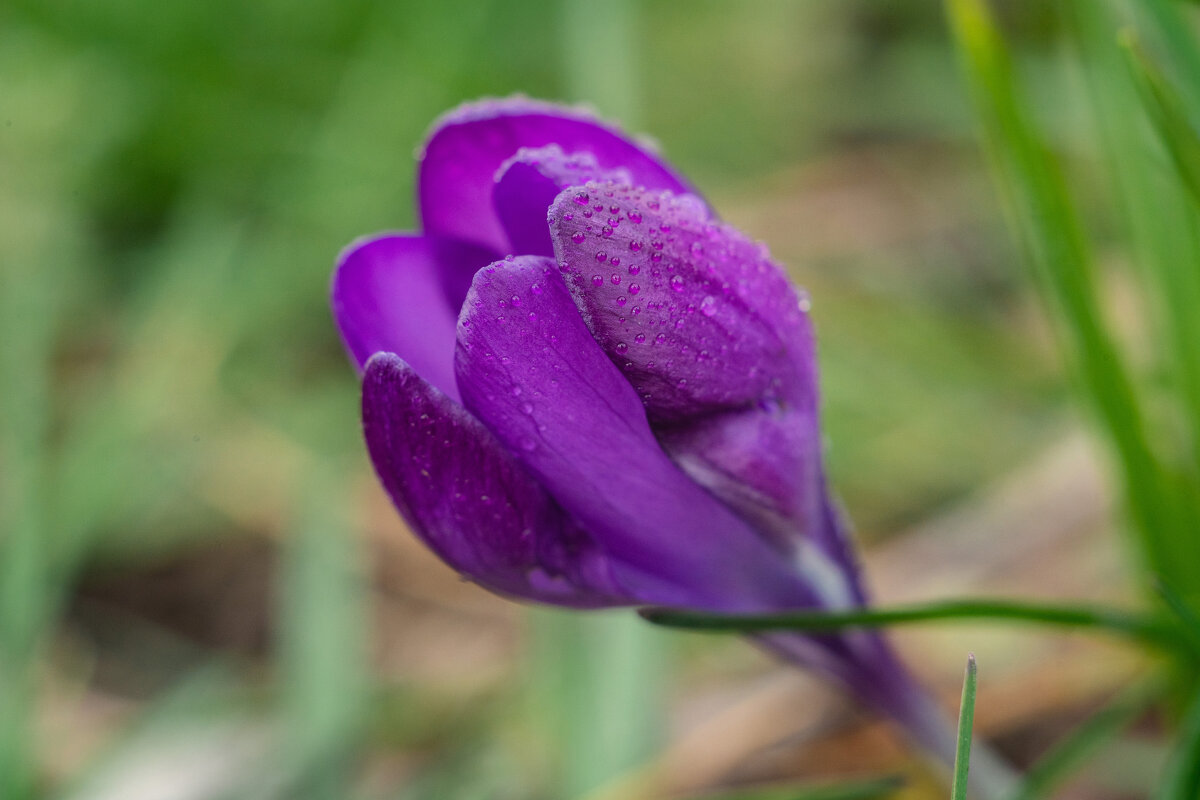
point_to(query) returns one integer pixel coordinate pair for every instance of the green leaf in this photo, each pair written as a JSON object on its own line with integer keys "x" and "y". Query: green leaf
{"x": 323, "y": 645}
{"x": 1166, "y": 110}
{"x": 966, "y": 723}
{"x": 1132, "y": 625}
{"x": 848, "y": 790}
{"x": 1182, "y": 778}
{"x": 1042, "y": 213}
{"x": 1077, "y": 748}
{"x": 1189, "y": 622}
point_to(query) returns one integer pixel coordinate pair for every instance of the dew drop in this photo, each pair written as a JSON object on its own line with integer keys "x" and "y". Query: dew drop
{"x": 601, "y": 256}
{"x": 616, "y": 279}
{"x": 622, "y": 347}
{"x": 634, "y": 288}
{"x": 597, "y": 280}
{"x": 635, "y": 245}
{"x": 578, "y": 237}
{"x": 621, "y": 301}
{"x": 606, "y": 231}
{"x": 708, "y": 306}
{"x": 582, "y": 198}
{"x": 677, "y": 283}
{"x": 641, "y": 337}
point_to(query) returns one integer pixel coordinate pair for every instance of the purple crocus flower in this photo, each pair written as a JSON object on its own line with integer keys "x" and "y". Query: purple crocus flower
{"x": 581, "y": 388}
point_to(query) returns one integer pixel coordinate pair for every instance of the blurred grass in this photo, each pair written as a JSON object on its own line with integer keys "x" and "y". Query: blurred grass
{"x": 177, "y": 181}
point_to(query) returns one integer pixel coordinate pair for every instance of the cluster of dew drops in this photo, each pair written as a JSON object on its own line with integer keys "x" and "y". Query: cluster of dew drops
{"x": 752, "y": 274}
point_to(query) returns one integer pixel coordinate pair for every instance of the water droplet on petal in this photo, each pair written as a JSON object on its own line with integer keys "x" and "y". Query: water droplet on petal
{"x": 677, "y": 283}
{"x": 708, "y": 306}
{"x": 578, "y": 237}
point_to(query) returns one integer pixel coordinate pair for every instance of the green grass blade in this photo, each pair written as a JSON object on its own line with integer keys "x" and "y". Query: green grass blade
{"x": 1182, "y": 778}
{"x": 324, "y": 647}
{"x": 1132, "y": 625}
{"x": 1188, "y": 619}
{"x": 1041, "y": 211}
{"x": 1163, "y": 227}
{"x": 844, "y": 790}
{"x": 1169, "y": 20}
{"x": 1078, "y": 748}
{"x": 27, "y": 306}
{"x": 966, "y": 724}
{"x": 1166, "y": 110}
{"x": 597, "y": 679}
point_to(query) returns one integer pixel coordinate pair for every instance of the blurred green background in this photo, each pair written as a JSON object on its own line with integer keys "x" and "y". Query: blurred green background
{"x": 204, "y": 594}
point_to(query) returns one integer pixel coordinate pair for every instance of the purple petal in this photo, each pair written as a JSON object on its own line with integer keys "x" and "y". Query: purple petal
{"x": 764, "y": 461}
{"x": 527, "y": 184}
{"x": 696, "y": 315}
{"x": 470, "y": 144}
{"x": 530, "y": 370}
{"x": 400, "y": 293}
{"x": 469, "y": 500}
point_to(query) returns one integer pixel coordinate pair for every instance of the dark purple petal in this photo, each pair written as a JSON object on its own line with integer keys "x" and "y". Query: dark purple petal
{"x": 469, "y": 500}
{"x": 527, "y": 184}
{"x": 471, "y": 143}
{"x": 696, "y": 315}
{"x": 401, "y": 293}
{"x": 763, "y": 461}
{"x": 530, "y": 370}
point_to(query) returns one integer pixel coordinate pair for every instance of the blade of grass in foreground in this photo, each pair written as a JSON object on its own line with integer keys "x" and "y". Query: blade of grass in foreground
{"x": 323, "y": 647}
{"x": 1080, "y": 746}
{"x": 1135, "y": 626}
{"x": 966, "y": 723}
{"x": 1166, "y": 110}
{"x": 1040, "y": 208}
{"x": 1182, "y": 778}
{"x": 849, "y": 790}
{"x": 27, "y": 306}
{"x": 1162, "y": 221}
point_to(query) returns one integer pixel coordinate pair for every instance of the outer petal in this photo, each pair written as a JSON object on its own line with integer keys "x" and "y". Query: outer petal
{"x": 470, "y": 501}
{"x": 470, "y": 144}
{"x": 697, "y": 316}
{"x": 764, "y": 461}
{"x": 527, "y": 184}
{"x": 529, "y": 368}
{"x": 401, "y": 293}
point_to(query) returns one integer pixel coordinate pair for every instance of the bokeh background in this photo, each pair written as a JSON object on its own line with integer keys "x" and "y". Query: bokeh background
{"x": 204, "y": 592}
